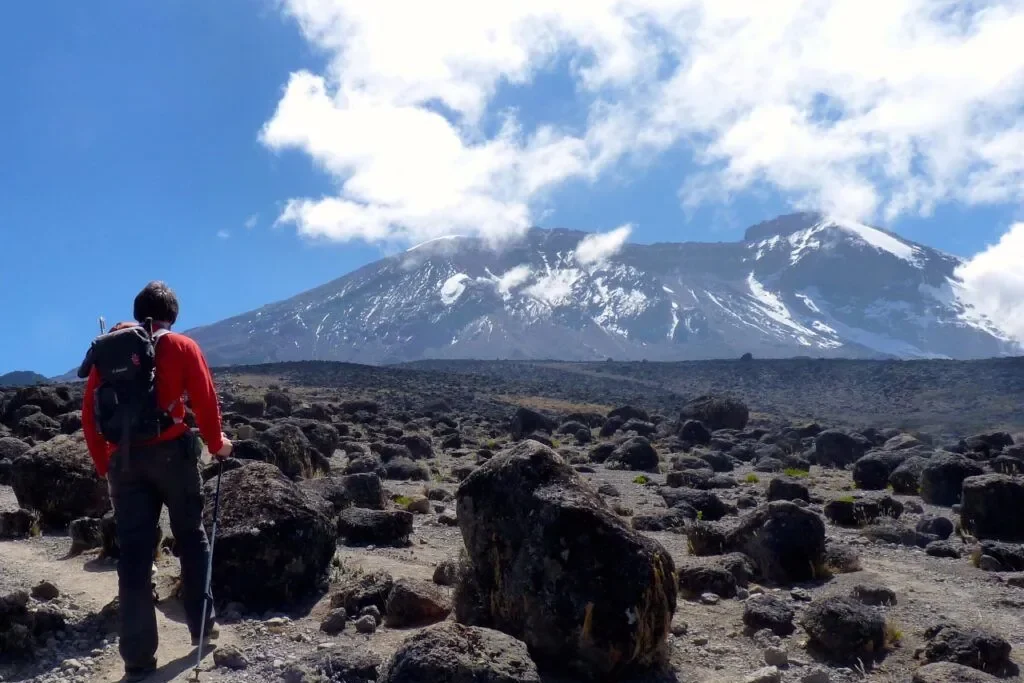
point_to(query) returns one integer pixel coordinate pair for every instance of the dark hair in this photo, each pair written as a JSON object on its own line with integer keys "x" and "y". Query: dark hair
{"x": 156, "y": 301}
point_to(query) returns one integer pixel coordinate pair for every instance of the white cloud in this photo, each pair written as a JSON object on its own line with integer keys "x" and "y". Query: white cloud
{"x": 251, "y": 221}
{"x": 869, "y": 111}
{"x": 994, "y": 281}
{"x": 554, "y": 288}
{"x": 514, "y": 277}
{"x": 223, "y": 234}
{"x": 596, "y": 248}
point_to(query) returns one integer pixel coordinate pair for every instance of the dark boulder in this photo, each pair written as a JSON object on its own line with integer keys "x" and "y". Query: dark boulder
{"x": 706, "y": 538}
{"x": 293, "y": 453}
{"x": 366, "y": 464}
{"x": 901, "y": 442}
{"x": 786, "y": 542}
{"x": 601, "y": 595}
{"x": 719, "y": 462}
{"x": 947, "y": 672}
{"x": 18, "y": 524}
{"x": 526, "y": 422}
{"x": 942, "y": 479}
{"x": 938, "y": 526}
{"x": 871, "y": 594}
{"x": 274, "y": 546}
{"x": 906, "y": 478}
{"x": 942, "y": 549}
{"x": 85, "y": 535}
{"x": 788, "y": 488}
{"x": 709, "y": 505}
{"x": 367, "y": 590}
{"x": 975, "y": 648}
{"x": 842, "y": 628}
{"x": 70, "y": 422}
{"x": 871, "y": 473}
{"x": 716, "y": 412}
{"x": 671, "y": 519}
{"x": 352, "y": 664}
{"x": 834, "y": 448}
{"x": 404, "y": 469}
{"x": 415, "y": 603}
{"x": 849, "y": 512}
{"x": 638, "y": 426}
{"x": 11, "y": 447}
{"x": 453, "y": 653}
{"x": 771, "y": 612}
{"x": 37, "y": 426}
{"x": 987, "y": 502}
{"x": 323, "y": 437}
{"x": 419, "y": 446}
{"x": 52, "y": 400}
{"x": 249, "y": 407}
{"x": 612, "y": 426}
{"x": 697, "y": 579}
{"x": 626, "y": 413}
{"x": 1010, "y": 556}
{"x": 361, "y": 526}
{"x": 635, "y": 454}
{"x": 365, "y": 490}
{"x": 694, "y": 432}
{"x": 58, "y": 479}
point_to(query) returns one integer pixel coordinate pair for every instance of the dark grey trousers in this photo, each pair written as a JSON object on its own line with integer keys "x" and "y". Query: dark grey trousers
{"x": 157, "y": 475}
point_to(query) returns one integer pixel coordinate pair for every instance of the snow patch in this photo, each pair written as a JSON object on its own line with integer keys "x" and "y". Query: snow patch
{"x": 555, "y": 288}
{"x": 666, "y": 289}
{"x": 453, "y": 288}
{"x": 442, "y": 238}
{"x": 879, "y": 240}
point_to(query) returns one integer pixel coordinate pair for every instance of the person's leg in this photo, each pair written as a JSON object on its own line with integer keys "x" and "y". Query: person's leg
{"x": 183, "y": 494}
{"x": 137, "y": 512}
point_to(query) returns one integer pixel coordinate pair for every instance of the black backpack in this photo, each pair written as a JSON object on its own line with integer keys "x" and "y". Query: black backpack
{"x": 126, "y": 409}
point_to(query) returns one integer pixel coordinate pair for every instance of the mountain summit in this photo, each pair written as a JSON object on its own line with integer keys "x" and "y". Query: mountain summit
{"x": 799, "y": 285}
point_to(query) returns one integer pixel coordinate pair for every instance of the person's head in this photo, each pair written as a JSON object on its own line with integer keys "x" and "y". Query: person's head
{"x": 156, "y": 301}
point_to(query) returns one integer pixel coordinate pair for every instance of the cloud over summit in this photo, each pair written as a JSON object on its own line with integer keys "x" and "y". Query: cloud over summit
{"x": 872, "y": 110}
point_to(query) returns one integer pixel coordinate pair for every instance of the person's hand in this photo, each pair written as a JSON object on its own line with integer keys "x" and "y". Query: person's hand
{"x": 225, "y": 450}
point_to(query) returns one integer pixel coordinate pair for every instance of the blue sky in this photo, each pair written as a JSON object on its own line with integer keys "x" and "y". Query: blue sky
{"x": 132, "y": 149}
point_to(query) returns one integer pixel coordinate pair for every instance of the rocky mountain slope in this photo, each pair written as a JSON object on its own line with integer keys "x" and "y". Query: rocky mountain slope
{"x": 799, "y": 285}
{"x": 21, "y": 378}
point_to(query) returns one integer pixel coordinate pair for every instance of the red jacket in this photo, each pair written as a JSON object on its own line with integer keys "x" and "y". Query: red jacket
{"x": 180, "y": 368}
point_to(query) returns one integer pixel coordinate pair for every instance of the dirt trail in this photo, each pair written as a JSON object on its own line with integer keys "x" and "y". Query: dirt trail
{"x": 93, "y": 584}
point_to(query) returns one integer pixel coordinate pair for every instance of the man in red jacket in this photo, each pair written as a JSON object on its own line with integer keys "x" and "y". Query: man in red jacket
{"x": 163, "y": 471}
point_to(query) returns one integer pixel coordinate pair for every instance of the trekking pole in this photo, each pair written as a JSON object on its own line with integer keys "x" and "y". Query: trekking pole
{"x": 207, "y": 596}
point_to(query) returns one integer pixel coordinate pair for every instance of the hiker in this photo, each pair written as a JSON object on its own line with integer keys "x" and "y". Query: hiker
{"x": 151, "y": 458}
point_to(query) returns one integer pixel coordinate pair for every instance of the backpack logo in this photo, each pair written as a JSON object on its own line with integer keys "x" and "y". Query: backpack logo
{"x": 135, "y": 360}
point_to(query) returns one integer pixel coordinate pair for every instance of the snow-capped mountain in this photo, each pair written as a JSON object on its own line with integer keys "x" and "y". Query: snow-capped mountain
{"x": 799, "y": 285}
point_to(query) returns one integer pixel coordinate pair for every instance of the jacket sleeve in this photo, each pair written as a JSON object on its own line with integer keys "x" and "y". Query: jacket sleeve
{"x": 203, "y": 395}
{"x": 98, "y": 449}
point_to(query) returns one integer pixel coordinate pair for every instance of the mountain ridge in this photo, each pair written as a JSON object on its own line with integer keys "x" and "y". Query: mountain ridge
{"x": 794, "y": 285}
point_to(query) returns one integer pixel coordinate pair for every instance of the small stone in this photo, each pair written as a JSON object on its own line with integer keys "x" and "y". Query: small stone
{"x": 448, "y": 518}
{"x": 72, "y": 664}
{"x": 419, "y": 505}
{"x": 366, "y": 624}
{"x": 768, "y": 674}
{"x": 700, "y": 641}
{"x": 742, "y": 594}
{"x": 800, "y": 594}
{"x": 334, "y": 622}
{"x": 776, "y": 656}
{"x": 45, "y": 591}
{"x": 815, "y": 675}
{"x": 372, "y": 611}
{"x": 989, "y": 564}
{"x": 709, "y": 599}
{"x": 230, "y": 657}
{"x": 680, "y": 628}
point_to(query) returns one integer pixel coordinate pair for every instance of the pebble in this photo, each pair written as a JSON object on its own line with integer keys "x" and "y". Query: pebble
{"x": 776, "y": 656}
{"x": 815, "y": 675}
{"x": 701, "y": 640}
{"x": 800, "y": 594}
{"x": 372, "y": 611}
{"x": 231, "y": 657}
{"x": 366, "y": 624}
{"x": 709, "y": 599}
{"x": 680, "y": 629}
{"x": 742, "y": 594}
{"x": 769, "y": 674}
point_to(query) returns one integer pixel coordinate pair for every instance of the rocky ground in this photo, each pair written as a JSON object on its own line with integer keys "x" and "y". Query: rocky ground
{"x": 398, "y": 525}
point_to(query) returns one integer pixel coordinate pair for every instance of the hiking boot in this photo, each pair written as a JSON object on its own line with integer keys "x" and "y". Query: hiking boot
{"x": 134, "y": 674}
{"x": 211, "y": 633}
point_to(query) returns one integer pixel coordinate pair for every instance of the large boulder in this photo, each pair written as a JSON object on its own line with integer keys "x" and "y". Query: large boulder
{"x": 788, "y": 488}
{"x": 771, "y": 612}
{"x": 37, "y": 426}
{"x": 834, "y": 448}
{"x": 415, "y": 603}
{"x": 58, "y": 479}
{"x": 906, "y": 478}
{"x": 550, "y": 563}
{"x": 987, "y": 501}
{"x": 274, "y": 544}
{"x": 694, "y": 432}
{"x": 871, "y": 473}
{"x": 322, "y": 436}
{"x": 293, "y": 453}
{"x": 942, "y": 479}
{"x": 843, "y": 628}
{"x": 709, "y": 505}
{"x": 419, "y": 447}
{"x": 637, "y": 454}
{"x": 453, "y": 653}
{"x": 526, "y": 422}
{"x": 52, "y": 400}
{"x": 360, "y": 526}
{"x": 975, "y": 648}
{"x": 366, "y": 590}
{"x": 786, "y": 542}
{"x": 947, "y": 672}
{"x": 716, "y": 412}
